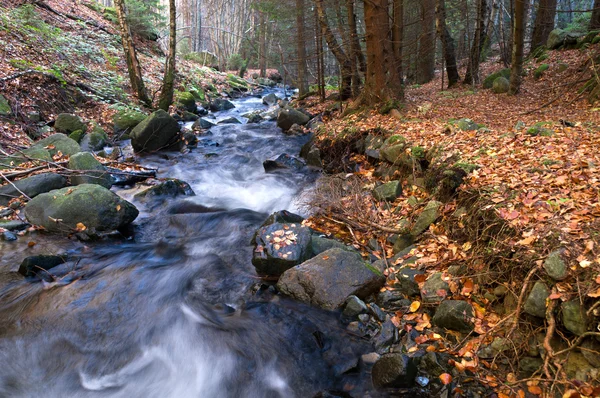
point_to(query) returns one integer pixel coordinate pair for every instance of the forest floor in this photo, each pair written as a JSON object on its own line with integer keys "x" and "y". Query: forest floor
{"x": 534, "y": 189}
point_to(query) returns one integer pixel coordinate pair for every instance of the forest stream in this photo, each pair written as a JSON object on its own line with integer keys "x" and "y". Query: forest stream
{"x": 178, "y": 309}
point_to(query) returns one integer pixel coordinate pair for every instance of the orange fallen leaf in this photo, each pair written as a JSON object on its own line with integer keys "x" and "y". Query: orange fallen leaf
{"x": 535, "y": 390}
{"x": 415, "y": 305}
{"x": 446, "y": 378}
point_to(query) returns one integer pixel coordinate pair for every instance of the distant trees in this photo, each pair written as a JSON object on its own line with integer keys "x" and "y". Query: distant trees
{"x": 595, "y": 20}
{"x": 447, "y": 43}
{"x": 166, "y": 95}
{"x": 544, "y": 22}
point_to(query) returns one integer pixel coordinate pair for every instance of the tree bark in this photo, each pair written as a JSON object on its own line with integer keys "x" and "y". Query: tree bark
{"x": 302, "y": 75}
{"x": 447, "y": 43}
{"x": 356, "y": 54}
{"x": 520, "y": 12}
{"x": 426, "y": 56}
{"x": 133, "y": 65}
{"x": 544, "y": 23}
{"x": 166, "y": 94}
{"x": 337, "y": 51}
{"x": 595, "y": 21}
{"x": 398, "y": 36}
{"x": 483, "y": 12}
{"x": 382, "y": 81}
{"x": 262, "y": 52}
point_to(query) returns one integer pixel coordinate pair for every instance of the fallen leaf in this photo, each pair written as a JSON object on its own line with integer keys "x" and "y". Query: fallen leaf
{"x": 414, "y": 306}
{"x": 446, "y": 378}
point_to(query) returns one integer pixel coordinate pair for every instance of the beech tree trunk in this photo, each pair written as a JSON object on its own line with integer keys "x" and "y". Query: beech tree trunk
{"x": 262, "y": 52}
{"x": 382, "y": 81}
{"x": 544, "y": 23}
{"x": 166, "y": 94}
{"x": 302, "y": 76}
{"x": 133, "y": 65}
{"x": 447, "y": 43}
{"x": 426, "y": 53}
{"x": 398, "y": 35}
{"x": 320, "y": 57}
{"x": 337, "y": 51}
{"x": 356, "y": 54}
{"x": 595, "y": 21}
{"x": 483, "y": 12}
{"x": 516, "y": 69}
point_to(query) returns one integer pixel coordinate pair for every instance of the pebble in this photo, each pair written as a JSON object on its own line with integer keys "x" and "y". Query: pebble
{"x": 8, "y": 236}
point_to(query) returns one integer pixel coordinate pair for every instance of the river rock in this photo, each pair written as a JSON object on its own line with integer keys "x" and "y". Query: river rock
{"x": 157, "y": 131}
{"x": 90, "y": 170}
{"x": 388, "y": 192}
{"x": 283, "y": 161}
{"x": 186, "y": 101}
{"x": 574, "y": 317}
{"x": 288, "y": 117}
{"x": 405, "y": 281}
{"x": 203, "y": 124}
{"x": 165, "y": 187}
{"x": 230, "y": 120}
{"x": 328, "y": 279}
{"x": 280, "y": 247}
{"x": 535, "y": 304}
{"x": 319, "y": 245}
{"x": 35, "y": 265}
{"x": 8, "y": 236}
{"x": 270, "y": 99}
{"x": 221, "y": 104}
{"x": 394, "y": 370}
{"x": 92, "y": 205}
{"x": 58, "y": 143}
{"x": 68, "y": 123}
{"x": 354, "y": 307}
{"x": 555, "y": 266}
{"x": 254, "y": 117}
{"x": 387, "y": 336}
{"x": 454, "y": 315}
{"x": 126, "y": 119}
{"x": 13, "y": 225}
{"x": 435, "y": 288}
{"x": 32, "y": 186}
{"x": 426, "y": 218}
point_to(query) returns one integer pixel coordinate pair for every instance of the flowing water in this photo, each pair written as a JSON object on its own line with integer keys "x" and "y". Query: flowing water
{"x": 178, "y": 310}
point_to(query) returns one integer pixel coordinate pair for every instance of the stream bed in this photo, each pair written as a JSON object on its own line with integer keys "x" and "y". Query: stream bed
{"x": 178, "y": 310}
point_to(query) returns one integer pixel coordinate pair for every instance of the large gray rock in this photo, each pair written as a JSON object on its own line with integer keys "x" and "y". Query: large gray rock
{"x": 58, "y": 143}
{"x": 555, "y": 266}
{"x": 32, "y": 186}
{"x": 535, "y": 304}
{"x": 559, "y": 38}
{"x": 90, "y": 170}
{"x": 501, "y": 85}
{"x": 574, "y": 317}
{"x": 328, "y": 279}
{"x": 68, "y": 123}
{"x": 435, "y": 288}
{"x": 288, "y": 117}
{"x": 454, "y": 315}
{"x": 221, "y": 104}
{"x": 270, "y": 99}
{"x": 165, "y": 187}
{"x": 283, "y": 161}
{"x": 92, "y": 205}
{"x": 157, "y": 131}
{"x": 388, "y": 192}
{"x": 203, "y": 124}
{"x": 394, "y": 370}
{"x": 426, "y": 218}
{"x": 280, "y": 247}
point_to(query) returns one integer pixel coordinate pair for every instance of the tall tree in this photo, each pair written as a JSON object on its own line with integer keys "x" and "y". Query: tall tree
{"x": 544, "y": 23}
{"x": 166, "y": 94}
{"x": 426, "y": 56}
{"x": 483, "y": 12}
{"x": 382, "y": 81}
{"x": 262, "y": 51}
{"x": 398, "y": 35}
{"x": 519, "y": 22}
{"x": 447, "y": 43}
{"x": 356, "y": 54}
{"x": 133, "y": 65}
{"x": 595, "y": 21}
{"x": 301, "y": 49}
{"x": 337, "y": 51}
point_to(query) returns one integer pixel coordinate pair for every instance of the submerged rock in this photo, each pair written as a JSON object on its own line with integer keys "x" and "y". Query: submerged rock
{"x": 328, "y": 279}
{"x": 203, "y": 124}
{"x": 165, "y": 187}
{"x": 279, "y": 247}
{"x": 34, "y": 265}
{"x": 283, "y": 161}
{"x": 91, "y": 205}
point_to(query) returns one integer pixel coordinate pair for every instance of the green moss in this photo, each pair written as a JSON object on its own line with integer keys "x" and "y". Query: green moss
{"x": 389, "y": 105}
{"x": 126, "y": 119}
{"x": 418, "y": 152}
{"x": 539, "y": 72}
{"x": 489, "y": 81}
{"x": 5, "y": 109}
{"x": 467, "y": 167}
{"x": 77, "y": 135}
{"x": 373, "y": 269}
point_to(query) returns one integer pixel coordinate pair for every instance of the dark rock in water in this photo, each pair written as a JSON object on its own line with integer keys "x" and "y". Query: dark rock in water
{"x": 90, "y": 170}
{"x": 122, "y": 179}
{"x": 230, "y": 120}
{"x": 166, "y": 187}
{"x": 283, "y": 217}
{"x": 190, "y": 139}
{"x": 270, "y": 99}
{"x": 386, "y": 337}
{"x": 189, "y": 207}
{"x": 32, "y": 186}
{"x": 288, "y": 117}
{"x": 377, "y": 312}
{"x": 283, "y": 161}
{"x": 35, "y": 265}
{"x": 158, "y": 131}
{"x": 454, "y": 315}
{"x": 203, "y": 124}
{"x": 8, "y": 236}
{"x": 13, "y": 225}
{"x": 221, "y": 104}
{"x": 279, "y": 247}
{"x": 394, "y": 371}
{"x": 189, "y": 116}
{"x": 254, "y": 117}
{"x": 330, "y": 278}
{"x": 92, "y": 205}
{"x": 202, "y": 111}
{"x": 68, "y": 123}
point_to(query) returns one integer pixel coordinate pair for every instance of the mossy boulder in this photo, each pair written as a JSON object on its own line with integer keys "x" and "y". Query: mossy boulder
{"x": 186, "y": 101}
{"x": 92, "y": 205}
{"x": 430, "y": 213}
{"x": 95, "y": 140}
{"x": 489, "y": 81}
{"x": 388, "y": 192}
{"x": 574, "y": 317}
{"x": 501, "y": 85}
{"x": 539, "y": 72}
{"x": 68, "y": 123}
{"x": 535, "y": 304}
{"x": 90, "y": 170}
{"x": 158, "y": 131}
{"x": 5, "y": 109}
{"x": 77, "y": 135}
{"x": 555, "y": 266}
{"x": 561, "y": 38}
{"x": 467, "y": 125}
{"x": 58, "y": 143}
{"x": 126, "y": 119}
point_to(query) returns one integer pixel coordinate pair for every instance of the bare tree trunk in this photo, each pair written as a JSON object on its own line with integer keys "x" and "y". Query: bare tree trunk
{"x": 595, "y": 21}
{"x": 483, "y": 12}
{"x": 166, "y": 94}
{"x": 320, "y": 60}
{"x": 447, "y": 43}
{"x": 337, "y": 50}
{"x": 302, "y": 75}
{"x": 382, "y": 82}
{"x": 353, "y": 46}
{"x": 398, "y": 35}
{"x": 355, "y": 43}
{"x": 517, "y": 51}
{"x": 133, "y": 65}
{"x": 544, "y": 23}
{"x": 262, "y": 56}
{"x": 426, "y": 57}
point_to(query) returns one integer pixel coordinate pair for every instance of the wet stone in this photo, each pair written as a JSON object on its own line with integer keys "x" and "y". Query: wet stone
{"x": 394, "y": 371}
{"x": 535, "y": 304}
{"x": 33, "y": 265}
{"x": 435, "y": 289}
{"x": 454, "y": 315}
{"x": 386, "y": 337}
{"x": 377, "y": 312}
{"x": 8, "y": 236}
{"x": 354, "y": 307}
